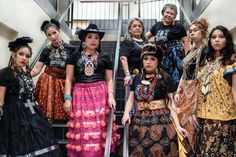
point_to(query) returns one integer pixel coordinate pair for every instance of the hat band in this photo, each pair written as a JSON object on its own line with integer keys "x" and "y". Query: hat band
{"x": 92, "y": 29}
{"x": 149, "y": 52}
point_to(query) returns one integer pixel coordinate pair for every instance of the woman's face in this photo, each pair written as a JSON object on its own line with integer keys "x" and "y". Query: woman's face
{"x": 92, "y": 41}
{"x": 21, "y": 57}
{"x": 53, "y": 35}
{"x": 136, "y": 29}
{"x": 195, "y": 34}
{"x": 150, "y": 63}
{"x": 218, "y": 40}
{"x": 169, "y": 15}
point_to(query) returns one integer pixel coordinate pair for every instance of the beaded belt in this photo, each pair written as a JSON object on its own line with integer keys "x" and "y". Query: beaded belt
{"x": 170, "y": 44}
{"x": 152, "y": 105}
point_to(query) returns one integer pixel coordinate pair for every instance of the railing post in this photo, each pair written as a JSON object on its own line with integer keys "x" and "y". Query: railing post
{"x": 109, "y": 128}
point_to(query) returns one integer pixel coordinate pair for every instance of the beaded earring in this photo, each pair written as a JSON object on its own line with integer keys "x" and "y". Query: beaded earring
{"x": 84, "y": 45}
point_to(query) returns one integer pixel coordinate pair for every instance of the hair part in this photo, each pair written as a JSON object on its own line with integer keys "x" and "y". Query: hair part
{"x": 47, "y": 24}
{"x": 129, "y": 35}
{"x": 203, "y": 25}
{"x": 228, "y": 51}
{"x": 170, "y": 6}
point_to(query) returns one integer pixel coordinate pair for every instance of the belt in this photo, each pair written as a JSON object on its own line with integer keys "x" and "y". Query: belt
{"x": 134, "y": 71}
{"x": 171, "y": 43}
{"x": 152, "y": 105}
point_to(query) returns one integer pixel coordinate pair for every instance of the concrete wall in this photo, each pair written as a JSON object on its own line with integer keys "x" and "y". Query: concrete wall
{"x": 21, "y": 18}
{"x": 221, "y": 12}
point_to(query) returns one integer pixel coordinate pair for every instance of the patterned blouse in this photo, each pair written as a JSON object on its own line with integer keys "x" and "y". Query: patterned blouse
{"x": 215, "y": 98}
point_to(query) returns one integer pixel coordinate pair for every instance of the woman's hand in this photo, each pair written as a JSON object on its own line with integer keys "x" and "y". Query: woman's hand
{"x": 182, "y": 132}
{"x": 125, "y": 119}
{"x": 176, "y": 98}
{"x": 127, "y": 80}
{"x": 193, "y": 120}
{"x": 67, "y": 105}
{"x": 111, "y": 101}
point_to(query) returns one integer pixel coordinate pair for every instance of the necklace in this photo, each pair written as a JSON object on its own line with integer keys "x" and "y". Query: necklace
{"x": 56, "y": 49}
{"x": 206, "y": 77}
{"x": 150, "y": 90}
{"x": 89, "y": 65}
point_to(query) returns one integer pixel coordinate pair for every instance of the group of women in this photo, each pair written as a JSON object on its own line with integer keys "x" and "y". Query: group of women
{"x": 183, "y": 99}
{"x": 84, "y": 76}
{"x": 179, "y": 96}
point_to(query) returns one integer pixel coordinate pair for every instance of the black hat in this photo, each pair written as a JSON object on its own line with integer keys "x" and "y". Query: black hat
{"x": 92, "y": 28}
{"x": 19, "y": 42}
{"x": 151, "y": 49}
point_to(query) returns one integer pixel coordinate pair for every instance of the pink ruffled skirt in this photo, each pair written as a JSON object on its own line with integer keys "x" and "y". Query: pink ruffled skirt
{"x": 89, "y": 119}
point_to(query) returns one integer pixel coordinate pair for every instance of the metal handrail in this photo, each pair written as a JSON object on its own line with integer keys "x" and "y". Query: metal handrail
{"x": 59, "y": 18}
{"x": 126, "y": 129}
{"x": 109, "y": 128}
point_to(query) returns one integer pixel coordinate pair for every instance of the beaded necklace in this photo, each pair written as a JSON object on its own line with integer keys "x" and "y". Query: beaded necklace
{"x": 150, "y": 90}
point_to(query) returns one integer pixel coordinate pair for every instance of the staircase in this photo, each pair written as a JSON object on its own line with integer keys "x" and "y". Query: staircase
{"x": 60, "y": 128}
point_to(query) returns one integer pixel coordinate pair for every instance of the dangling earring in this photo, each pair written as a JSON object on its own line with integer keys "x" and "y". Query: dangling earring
{"x": 84, "y": 45}
{"x": 156, "y": 70}
{"x": 142, "y": 70}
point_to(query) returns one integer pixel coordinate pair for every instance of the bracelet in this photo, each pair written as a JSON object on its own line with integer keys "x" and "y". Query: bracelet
{"x": 67, "y": 97}
{"x": 110, "y": 91}
{"x": 127, "y": 73}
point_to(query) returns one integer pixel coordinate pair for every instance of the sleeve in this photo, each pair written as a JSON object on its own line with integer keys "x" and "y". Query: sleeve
{"x": 5, "y": 78}
{"x": 154, "y": 28}
{"x": 44, "y": 55}
{"x": 125, "y": 48}
{"x": 72, "y": 58}
{"x": 70, "y": 48}
{"x": 229, "y": 71}
{"x": 108, "y": 63}
{"x": 182, "y": 31}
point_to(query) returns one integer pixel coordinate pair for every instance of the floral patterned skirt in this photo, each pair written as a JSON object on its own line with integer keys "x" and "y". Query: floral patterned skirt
{"x": 152, "y": 134}
{"x": 216, "y": 138}
{"x": 172, "y": 62}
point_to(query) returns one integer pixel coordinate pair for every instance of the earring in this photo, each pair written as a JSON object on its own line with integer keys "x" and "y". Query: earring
{"x": 83, "y": 45}
{"x": 156, "y": 70}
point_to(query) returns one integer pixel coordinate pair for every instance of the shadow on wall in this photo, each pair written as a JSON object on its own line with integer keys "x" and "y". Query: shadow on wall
{"x": 6, "y": 34}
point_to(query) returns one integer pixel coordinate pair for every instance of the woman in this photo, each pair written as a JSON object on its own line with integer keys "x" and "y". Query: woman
{"x": 216, "y": 108}
{"x": 170, "y": 36}
{"x": 186, "y": 95}
{"x": 152, "y": 132}
{"x": 24, "y": 131}
{"x": 130, "y": 49}
{"x": 93, "y": 96}
{"x": 50, "y": 85}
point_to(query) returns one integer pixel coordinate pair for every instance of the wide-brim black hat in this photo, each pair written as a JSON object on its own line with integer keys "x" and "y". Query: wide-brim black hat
{"x": 92, "y": 28}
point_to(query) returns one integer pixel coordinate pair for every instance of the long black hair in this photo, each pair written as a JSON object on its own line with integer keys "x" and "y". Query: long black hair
{"x": 227, "y": 52}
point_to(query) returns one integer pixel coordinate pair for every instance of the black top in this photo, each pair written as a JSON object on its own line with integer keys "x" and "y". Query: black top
{"x": 103, "y": 62}
{"x": 132, "y": 50}
{"x": 164, "y": 34}
{"x": 57, "y": 60}
{"x": 164, "y": 85}
{"x": 191, "y": 70}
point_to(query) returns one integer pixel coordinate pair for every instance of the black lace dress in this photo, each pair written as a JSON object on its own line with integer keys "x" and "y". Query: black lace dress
{"x": 24, "y": 131}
